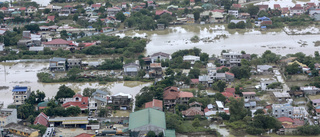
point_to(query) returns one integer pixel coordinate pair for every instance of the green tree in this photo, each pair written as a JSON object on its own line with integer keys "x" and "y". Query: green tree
{"x": 25, "y": 110}
{"x": 63, "y": 34}
{"x": 293, "y": 68}
{"x": 259, "y": 111}
{"x": 241, "y": 25}
{"x": 237, "y": 109}
{"x": 194, "y": 73}
{"x": 220, "y": 97}
{"x": 151, "y": 134}
{"x": 309, "y": 130}
{"x": 219, "y": 85}
{"x": 103, "y": 112}
{"x": 73, "y": 73}
{"x": 90, "y": 2}
{"x": 173, "y": 121}
{"x": 42, "y": 128}
{"x": 204, "y": 57}
{"x": 141, "y": 73}
{"x": 73, "y": 110}
{"x": 169, "y": 71}
{"x": 196, "y": 123}
{"x": 252, "y": 9}
{"x": 40, "y": 95}
{"x": 87, "y": 92}
{"x": 196, "y": 15}
{"x": 232, "y": 25}
{"x": 120, "y": 16}
{"x": 46, "y": 11}
{"x": 64, "y": 92}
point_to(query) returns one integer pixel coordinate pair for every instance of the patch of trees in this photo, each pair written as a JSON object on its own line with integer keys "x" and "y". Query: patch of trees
{"x": 141, "y": 21}
{"x": 110, "y": 64}
{"x": 239, "y": 25}
{"x": 261, "y": 123}
{"x": 309, "y": 130}
{"x": 114, "y": 44}
{"x": 64, "y": 92}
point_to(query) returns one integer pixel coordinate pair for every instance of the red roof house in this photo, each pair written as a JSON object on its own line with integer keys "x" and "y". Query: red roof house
{"x": 57, "y": 43}
{"x": 155, "y": 103}
{"x": 96, "y": 6}
{"x": 50, "y": 18}
{"x": 285, "y": 119}
{"x": 195, "y": 81}
{"x": 277, "y": 6}
{"x": 160, "y": 12}
{"x": 42, "y": 119}
{"x": 173, "y": 95}
{"x": 23, "y": 9}
{"x": 192, "y": 112}
{"x": 236, "y": 6}
{"x": 263, "y": 7}
{"x": 77, "y": 100}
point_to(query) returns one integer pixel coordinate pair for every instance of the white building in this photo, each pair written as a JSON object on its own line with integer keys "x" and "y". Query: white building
{"x": 7, "y": 116}
{"x": 264, "y": 84}
{"x": 234, "y": 13}
{"x": 191, "y": 58}
{"x": 20, "y": 94}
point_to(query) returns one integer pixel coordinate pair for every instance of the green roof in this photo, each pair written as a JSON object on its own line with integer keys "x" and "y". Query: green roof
{"x": 45, "y": 104}
{"x": 170, "y": 133}
{"x": 147, "y": 116}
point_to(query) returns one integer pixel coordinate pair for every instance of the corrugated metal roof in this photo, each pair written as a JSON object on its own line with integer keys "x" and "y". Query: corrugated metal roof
{"x": 145, "y": 117}
{"x": 170, "y": 133}
{"x": 17, "y": 89}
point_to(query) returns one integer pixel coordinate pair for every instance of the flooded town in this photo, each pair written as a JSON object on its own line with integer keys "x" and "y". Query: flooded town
{"x": 144, "y": 68}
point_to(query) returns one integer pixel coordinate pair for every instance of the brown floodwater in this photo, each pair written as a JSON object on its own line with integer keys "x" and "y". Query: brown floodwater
{"x": 250, "y": 40}
{"x": 25, "y": 74}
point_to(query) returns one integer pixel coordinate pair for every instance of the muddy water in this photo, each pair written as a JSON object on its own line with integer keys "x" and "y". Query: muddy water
{"x": 25, "y": 74}
{"x": 251, "y": 41}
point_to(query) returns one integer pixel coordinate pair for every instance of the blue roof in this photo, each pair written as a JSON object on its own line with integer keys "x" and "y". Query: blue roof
{"x": 263, "y": 27}
{"x": 264, "y": 18}
{"x": 19, "y": 89}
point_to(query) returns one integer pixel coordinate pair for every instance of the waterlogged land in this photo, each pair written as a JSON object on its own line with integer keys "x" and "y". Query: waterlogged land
{"x": 250, "y": 40}
{"x": 25, "y": 74}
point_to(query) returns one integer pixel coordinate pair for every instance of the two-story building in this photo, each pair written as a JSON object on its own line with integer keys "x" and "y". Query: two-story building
{"x": 7, "y": 116}
{"x": 74, "y": 63}
{"x": 310, "y": 90}
{"x": 190, "y": 58}
{"x": 21, "y": 130}
{"x": 76, "y": 100}
{"x": 173, "y": 96}
{"x": 250, "y": 100}
{"x": 122, "y": 101}
{"x": 131, "y": 69}
{"x": 155, "y": 70}
{"x": 20, "y": 94}
{"x": 230, "y": 59}
{"x": 99, "y": 99}
{"x": 57, "y": 64}
{"x": 281, "y": 97}
{"x": 159, "y": 56}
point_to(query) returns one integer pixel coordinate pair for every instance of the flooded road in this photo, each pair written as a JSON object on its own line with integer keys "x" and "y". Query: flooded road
{"x": 25, "y": 74}
{"x": 250, "y": 40}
